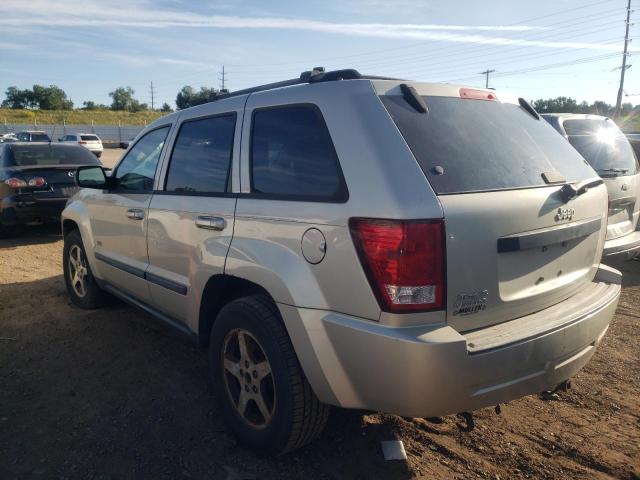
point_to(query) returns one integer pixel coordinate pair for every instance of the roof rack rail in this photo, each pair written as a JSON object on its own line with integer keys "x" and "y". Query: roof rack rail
{"x": 316, "y": 75}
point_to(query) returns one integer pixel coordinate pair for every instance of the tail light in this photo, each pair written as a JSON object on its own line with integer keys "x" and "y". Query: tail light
{"x": 14, "y": 182}
{"x": 82, "y": 142}
{"x": 404, "y": 262}
{"x": 37, "y": 182}
{"x": 34, "y": 182}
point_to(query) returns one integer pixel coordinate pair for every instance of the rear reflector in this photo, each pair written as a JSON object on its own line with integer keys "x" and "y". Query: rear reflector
{"x": 475, "y": 94}
{"x": 15, "y": 182}
{"x": 404, "y": 262}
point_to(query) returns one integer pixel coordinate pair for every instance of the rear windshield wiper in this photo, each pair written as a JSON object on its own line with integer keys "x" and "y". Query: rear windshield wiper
{"x": 612, "y": 170}
{"x": 569, "y": 191}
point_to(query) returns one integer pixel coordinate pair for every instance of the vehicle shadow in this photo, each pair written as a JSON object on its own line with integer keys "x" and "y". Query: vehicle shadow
{"x": 113, "y": 393}
{"x": 630, "y": 270}
{"x": 32, "y": 236}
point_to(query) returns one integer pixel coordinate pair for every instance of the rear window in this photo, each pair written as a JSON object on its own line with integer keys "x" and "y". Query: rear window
{"x": 467, "y": 145}
{"x": 603, "y": 145}
{"x": 292, "y": 155}
{"x": 89, "y": 138}
{"x": 202, "y": 155}
{"x": 27, "y": 155}
{"x": 39, "y": 137}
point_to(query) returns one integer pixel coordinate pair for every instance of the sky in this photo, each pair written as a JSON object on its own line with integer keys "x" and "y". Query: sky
{"x": 538, "y": 49}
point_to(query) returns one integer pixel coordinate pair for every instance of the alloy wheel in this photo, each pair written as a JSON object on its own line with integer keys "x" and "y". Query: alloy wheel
{"x": 248, "y": 378}
{"x": 78, "y": 270}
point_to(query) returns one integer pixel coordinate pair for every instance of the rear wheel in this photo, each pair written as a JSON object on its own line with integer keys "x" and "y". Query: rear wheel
{"x": 81, "y": 286}
{"x": 267, "y": 401}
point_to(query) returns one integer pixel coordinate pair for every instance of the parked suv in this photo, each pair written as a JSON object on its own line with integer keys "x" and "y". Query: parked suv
{"x": 608, "y": 151}
{"x": 420, "y": 249}
{"x": 88, "y": 140}
{"x": 33, "y": 136}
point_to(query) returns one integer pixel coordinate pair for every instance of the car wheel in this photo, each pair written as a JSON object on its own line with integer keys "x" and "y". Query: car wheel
{"x": 81, "y": 285}
{"x": 4, "y": 232}
{"x": 267, "y": 401}
{"x": 98, "y": 154}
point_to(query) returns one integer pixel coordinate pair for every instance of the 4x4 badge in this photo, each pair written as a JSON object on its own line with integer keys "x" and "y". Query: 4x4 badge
{"x": 470, "y": 303}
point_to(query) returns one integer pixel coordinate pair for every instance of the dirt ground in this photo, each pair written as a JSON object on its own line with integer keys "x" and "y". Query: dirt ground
{"x": 110, "y": 156}
{"x": 113, "y": 394}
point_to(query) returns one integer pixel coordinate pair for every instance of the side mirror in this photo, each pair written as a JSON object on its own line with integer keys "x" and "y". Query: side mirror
{"x": 91, "y": 177}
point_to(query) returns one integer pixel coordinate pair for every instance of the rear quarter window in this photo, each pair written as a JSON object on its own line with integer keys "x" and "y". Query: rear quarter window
{"x": 293, "y": 157}
{"x": 467, "y": 145}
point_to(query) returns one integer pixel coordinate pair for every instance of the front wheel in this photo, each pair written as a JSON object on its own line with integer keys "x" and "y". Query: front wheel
{"x": 267, "y": 401}
{"x": 81, "y": 286}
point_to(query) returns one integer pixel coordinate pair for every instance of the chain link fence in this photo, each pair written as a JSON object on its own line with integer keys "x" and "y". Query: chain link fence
{"x": 107, "y": 133}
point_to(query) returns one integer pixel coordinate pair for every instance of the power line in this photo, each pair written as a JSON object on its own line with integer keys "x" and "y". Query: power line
{"x": 251, "y": 69}
{"x": 468, "y": 51}
{"x": 624, "y": 62}
{"x": 544, "y": 67}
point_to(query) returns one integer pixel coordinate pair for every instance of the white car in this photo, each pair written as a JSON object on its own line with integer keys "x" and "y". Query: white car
{"x": 88, "y": 140}
{"x": 8, "y": 138}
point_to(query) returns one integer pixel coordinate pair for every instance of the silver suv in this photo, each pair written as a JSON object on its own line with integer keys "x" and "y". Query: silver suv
{"x": 419, "y": 249}
{"x": 609, "y": 152}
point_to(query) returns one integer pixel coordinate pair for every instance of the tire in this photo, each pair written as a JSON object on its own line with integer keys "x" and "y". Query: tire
{"x": 93, "y": 296}
{"x": 4, "y": 232}
{"x": 297, "y": 416}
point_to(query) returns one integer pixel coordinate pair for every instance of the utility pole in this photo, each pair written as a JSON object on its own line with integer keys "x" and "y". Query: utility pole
{"x": 624, "y": 62}
{"x": 152, "y": 96}
{"x": 222, "y": 80}
{"x": 486, "y": 74}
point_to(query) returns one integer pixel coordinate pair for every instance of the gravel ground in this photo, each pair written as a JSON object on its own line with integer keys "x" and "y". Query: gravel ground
{"x": 113, "y": 394}
{"x": 110, "y": 156}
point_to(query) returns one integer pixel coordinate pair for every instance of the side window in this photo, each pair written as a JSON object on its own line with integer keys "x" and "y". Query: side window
{"x": 23, "y": 137}
{"x": 138, "y": 167}
{"x": 202, "y": 155}
{"x": 292, "y": 155}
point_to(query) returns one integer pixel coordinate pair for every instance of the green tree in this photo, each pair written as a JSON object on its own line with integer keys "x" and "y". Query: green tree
{"x": 50, "y": 98}
{"x": 188, "y": 97}
{"x": 123, "y": 99}
{"x": 555, "y": 105}
{"x": 17, "y": 99}
{"x": 166, "y": 108}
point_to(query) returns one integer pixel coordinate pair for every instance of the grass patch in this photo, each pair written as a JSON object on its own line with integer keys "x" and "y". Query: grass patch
{"x": 99, "y": 117}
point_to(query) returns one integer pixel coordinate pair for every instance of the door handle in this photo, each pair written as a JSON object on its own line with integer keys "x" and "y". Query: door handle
{"x": 135, "y": 214}
{"x": 210, "y": 223}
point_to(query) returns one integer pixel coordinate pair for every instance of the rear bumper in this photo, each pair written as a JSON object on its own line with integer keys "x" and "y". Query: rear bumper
{"x": 434, "y": 370}
{"x": 622, "y": 245}
{"x": 30, "y": 210}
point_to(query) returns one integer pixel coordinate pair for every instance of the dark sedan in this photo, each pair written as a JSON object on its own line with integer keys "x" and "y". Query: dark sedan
{"x": 36, "y": 180}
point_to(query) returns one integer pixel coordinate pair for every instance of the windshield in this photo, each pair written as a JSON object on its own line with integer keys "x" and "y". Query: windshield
{"x": 43, "y": 155}
{"x": 467, "y": 145}
{"x": 603, "y": 145}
